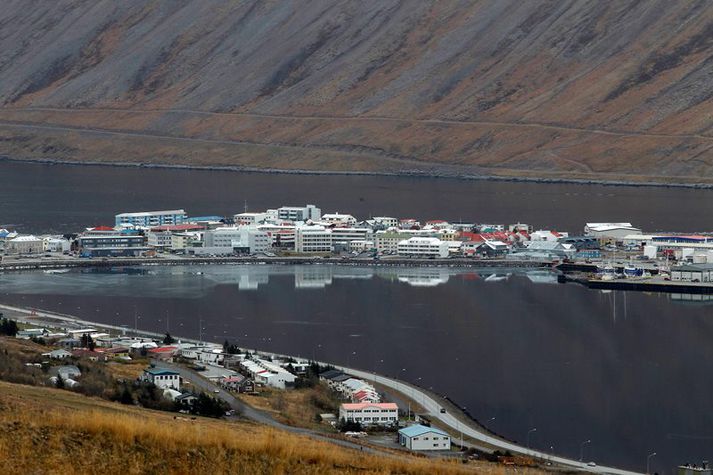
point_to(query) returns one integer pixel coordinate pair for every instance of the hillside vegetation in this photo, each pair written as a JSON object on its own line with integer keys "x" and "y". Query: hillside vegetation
{"x": 555, "y": 88}
{"x": 52, "y": 431}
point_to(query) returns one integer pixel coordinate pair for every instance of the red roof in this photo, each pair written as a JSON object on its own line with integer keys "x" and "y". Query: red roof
{"x": 363, "y": 405}
{"x": 468, "y": 236}
{"x": 163, "y": 349}
{"x": 102, "y": 228}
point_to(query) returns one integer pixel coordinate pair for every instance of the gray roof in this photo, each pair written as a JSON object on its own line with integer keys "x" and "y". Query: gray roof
{"x": 694, "y": 267}
{"x": 330, "y": 374}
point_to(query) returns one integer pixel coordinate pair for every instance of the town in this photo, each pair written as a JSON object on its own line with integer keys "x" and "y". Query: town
{"x": 206, "y": 379}
{"x": 610, "y": 251}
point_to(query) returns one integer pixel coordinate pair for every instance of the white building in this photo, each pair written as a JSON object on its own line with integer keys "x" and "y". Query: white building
{"x": 615, "y": 231}
{"x": 418, "y": 437}
{"x": 367, "y": 413}
{"x": 268, "y": 373}
{"x": 55, "y": 244}
{"x": 339, "y": 219}
{"x": 159, "y": 239}
{"x": 423, "y": 247}
{"x": 351, "y": 234}
{"x": 547, "y": 235}
{"x": 299, "y": 213}
{"x": 24, "y": 245}
{"x": 313, "y": 239}
{"x": 163, "y": 378}
{"x": 384, "y": 221}
{"x": 248, "y": 219}
{"x": 243, "y": 239}
{"x": 151, "y": 218}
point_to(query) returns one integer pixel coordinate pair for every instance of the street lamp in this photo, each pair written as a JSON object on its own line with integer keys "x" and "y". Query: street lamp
{"x": 534, "y": 429}
{"x": 648, "y": 461}
{"x": 581, "y": 449}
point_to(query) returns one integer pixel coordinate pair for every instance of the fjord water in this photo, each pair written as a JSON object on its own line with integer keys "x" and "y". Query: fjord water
{"x": 63, "y": 198}
{"x": 629, "y": 371}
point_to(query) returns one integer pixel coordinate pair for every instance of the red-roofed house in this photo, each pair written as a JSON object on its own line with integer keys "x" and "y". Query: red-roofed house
{"x": 385, "y": 413}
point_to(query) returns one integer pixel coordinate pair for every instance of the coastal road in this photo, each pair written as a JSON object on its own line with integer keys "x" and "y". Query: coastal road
{"x": 469, "y": 429}
{"x": 255, "y": 415}
{"x": 426, "y": 400}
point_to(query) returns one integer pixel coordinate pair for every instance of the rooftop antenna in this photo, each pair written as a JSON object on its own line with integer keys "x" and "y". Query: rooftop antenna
{"x": 245, "y": 207}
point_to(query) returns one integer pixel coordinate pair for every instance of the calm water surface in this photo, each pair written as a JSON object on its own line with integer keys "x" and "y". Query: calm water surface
{"x": 62, "y": 198}
{"x": 629, "y": 371}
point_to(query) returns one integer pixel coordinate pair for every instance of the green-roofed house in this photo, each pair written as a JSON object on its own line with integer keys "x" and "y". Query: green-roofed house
{"x": 418, "y": 437}
{"x": 163, "y": 378}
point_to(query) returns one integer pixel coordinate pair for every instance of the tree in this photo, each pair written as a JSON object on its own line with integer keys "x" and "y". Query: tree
{"x": 125, "y": 396}
{"x": 349, "y": 426}
{"x": 208, "y": 406}
{"x": 87, "y": 341}
{"x": 168, "y": 339}
{"x": 8, "y": 327}
{"x": 59, "y": 384}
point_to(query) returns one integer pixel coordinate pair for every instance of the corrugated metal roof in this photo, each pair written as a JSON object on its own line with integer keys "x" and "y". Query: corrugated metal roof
{"x": 417, "y": 430}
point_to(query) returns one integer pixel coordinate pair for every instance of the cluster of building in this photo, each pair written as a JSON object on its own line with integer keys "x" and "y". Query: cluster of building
{"x": 292, "y": 229}
{"x": 353, "y": 389}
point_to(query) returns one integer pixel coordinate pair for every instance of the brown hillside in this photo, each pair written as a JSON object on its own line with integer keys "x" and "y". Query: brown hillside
{"x": 52, "y": 431}
{"x": 577, "y": 88}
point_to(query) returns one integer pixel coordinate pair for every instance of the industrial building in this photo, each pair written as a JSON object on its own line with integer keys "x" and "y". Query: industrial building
{"x": 692, "y": 273}
{"x": 610, "y": 231}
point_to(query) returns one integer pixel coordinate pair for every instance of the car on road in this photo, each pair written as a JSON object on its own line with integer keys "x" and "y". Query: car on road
{"x": 592, "y": 464}
{"x": 216, "y": 391}
{"x": 443, "y": 411}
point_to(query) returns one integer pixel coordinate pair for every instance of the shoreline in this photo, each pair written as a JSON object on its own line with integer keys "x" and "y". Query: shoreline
{"x": 39, "y": 264}
{"x": 460, "y": 422}
{"x": 420, "y": 174}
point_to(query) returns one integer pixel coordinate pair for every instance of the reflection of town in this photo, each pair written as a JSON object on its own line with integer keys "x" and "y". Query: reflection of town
{"x": 194, "y": 281}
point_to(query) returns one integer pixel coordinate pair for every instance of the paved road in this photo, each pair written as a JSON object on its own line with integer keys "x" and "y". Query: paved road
{"x": 456, "y": 424}
{"x": 432, "y": 406}
{"x": 261, "y": 417}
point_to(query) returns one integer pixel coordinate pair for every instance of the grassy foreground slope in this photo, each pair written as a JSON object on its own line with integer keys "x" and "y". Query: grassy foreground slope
{"x": 44, "y": 430}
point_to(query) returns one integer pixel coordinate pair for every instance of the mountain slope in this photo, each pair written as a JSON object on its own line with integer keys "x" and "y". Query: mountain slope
{"x": 540, "y": 88}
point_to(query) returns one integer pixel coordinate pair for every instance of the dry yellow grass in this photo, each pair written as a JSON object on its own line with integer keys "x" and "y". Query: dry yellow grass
{"x": 128, "y": 371}
{"x": 295, "y": 407}
{"x": 45, "y": 430}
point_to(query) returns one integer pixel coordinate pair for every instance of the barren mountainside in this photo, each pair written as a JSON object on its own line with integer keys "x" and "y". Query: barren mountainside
{"x": 577, "y": 89}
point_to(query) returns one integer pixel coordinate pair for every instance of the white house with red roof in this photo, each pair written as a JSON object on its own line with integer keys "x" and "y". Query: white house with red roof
{"x": 367, "y": 413}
